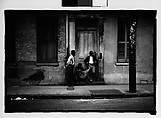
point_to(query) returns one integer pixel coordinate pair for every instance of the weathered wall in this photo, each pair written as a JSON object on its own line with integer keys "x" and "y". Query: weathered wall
{"x": 144, "y": 48}
{"x": 25, "y": 37}
{"x": 118, "y": 74}
{"x": 112, "y": 73}
{"x": 56, "y": 74}
{"x": 26, "y": 53}
{"x": 25, "y": 41}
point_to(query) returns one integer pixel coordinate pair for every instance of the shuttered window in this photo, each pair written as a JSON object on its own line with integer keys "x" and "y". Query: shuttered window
{"x": 47, "y": 39}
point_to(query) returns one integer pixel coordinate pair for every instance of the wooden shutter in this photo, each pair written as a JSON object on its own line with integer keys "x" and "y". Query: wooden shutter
{"x": 47, "y": 39}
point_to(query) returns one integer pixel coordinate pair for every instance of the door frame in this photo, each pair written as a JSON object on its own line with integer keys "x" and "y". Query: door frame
{"x": 100, "y": 31}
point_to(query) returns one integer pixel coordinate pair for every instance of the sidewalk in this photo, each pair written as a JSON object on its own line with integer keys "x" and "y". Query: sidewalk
{"x": 86, "y": 91}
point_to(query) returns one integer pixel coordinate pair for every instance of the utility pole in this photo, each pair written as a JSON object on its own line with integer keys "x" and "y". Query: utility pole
{"x": 132, "y": 57}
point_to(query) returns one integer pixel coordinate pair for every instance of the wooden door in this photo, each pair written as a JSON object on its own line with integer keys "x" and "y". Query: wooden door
{"x": 86, "y": 41}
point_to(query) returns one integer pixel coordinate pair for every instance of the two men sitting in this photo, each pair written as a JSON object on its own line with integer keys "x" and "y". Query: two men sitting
{"x": 90, "y": 63}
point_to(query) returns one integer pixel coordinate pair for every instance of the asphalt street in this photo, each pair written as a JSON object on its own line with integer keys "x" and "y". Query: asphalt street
{"x": 134, "y": 104}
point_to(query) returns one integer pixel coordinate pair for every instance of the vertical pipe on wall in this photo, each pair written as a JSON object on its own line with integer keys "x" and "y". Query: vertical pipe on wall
{"x": 67, "y": 30}
{"x": 67, "y": 37}
{"x": 71, "y": 35}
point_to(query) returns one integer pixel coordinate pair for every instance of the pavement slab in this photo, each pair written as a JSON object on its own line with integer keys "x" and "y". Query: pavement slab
{"x": 79, "y": 91}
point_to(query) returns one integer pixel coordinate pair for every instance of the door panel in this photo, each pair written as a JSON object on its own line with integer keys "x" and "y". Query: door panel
{"x": 86, "y": 41}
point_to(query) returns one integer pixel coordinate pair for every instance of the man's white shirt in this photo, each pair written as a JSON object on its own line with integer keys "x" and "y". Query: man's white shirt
{"x": 71, "y": 60}
{"x": 91, "y": 60}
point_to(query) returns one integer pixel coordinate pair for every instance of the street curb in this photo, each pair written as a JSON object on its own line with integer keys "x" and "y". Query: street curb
{"x": 63, "y": 93}
{"x": 46, "y": 97}
{"x": 49, "y": 96}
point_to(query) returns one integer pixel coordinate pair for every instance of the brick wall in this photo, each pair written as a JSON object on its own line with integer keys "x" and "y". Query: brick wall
{"x": 26, "y": 53}
{"x": 25, "y": 37}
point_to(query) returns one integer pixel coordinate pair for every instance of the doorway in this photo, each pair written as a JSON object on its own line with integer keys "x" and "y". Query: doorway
{"x": 86, "y": 40}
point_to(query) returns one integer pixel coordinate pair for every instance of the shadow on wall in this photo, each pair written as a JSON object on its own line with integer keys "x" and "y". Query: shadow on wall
{"x": 35, "y": 78}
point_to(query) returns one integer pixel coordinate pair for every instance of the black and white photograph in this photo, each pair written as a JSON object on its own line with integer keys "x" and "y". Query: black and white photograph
{"x": 87, "y": 60}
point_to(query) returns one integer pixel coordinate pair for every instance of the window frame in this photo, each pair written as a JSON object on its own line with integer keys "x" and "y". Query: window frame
{"x": 125, "y": 60}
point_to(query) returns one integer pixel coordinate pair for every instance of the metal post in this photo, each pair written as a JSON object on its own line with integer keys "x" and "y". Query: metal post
{"x": 132, "y": 57}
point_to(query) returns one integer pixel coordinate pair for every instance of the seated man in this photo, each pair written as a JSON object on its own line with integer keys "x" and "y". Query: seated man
{"x": 83, "y": 74}
{"x": 91, "y": 62}
{"x": 80, "y": 71}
